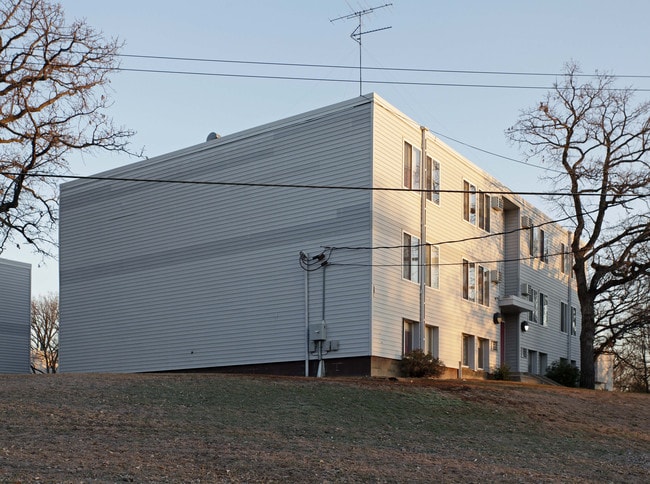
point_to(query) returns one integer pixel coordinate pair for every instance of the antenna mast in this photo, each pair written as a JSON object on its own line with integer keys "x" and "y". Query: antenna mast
{"x": 358, "y": 33}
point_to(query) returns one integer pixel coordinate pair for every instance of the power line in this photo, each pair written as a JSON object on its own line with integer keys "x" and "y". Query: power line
{"x": 369, "y": 68}
{"x": 295, "y": 185}
{"x": 329, "y": 79}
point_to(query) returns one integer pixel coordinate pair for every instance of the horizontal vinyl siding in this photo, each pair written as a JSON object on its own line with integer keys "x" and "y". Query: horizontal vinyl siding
{"x": 546, "y": 278}
{"x": 395, "y": 212}
{"x": 170, "y": 276}
{"x": 15, "y": 310}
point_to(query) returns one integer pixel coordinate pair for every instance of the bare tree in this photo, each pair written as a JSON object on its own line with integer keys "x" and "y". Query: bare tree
{"x": 632, "y": 361}
{"x": 597, "y": 141}
{"x": 53, "y": 80}
{"x": 45, "y": 334}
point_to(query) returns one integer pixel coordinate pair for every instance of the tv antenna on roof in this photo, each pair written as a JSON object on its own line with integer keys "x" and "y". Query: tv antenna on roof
{"x": 358, "y": 33}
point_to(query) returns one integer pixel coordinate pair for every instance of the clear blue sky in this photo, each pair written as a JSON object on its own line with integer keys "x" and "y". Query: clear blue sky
{"x": 171, "y": 111}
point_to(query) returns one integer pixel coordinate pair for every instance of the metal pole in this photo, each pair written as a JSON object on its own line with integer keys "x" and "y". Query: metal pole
{"x": 307, "y": 321}
{"x": 423, "y": 236}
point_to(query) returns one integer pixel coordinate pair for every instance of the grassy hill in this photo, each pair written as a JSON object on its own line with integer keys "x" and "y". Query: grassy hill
{"x": 226, "y": 428}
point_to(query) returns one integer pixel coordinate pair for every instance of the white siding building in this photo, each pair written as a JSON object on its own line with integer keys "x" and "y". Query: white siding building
{"x": 161, "y": 274}
{"x": 15, "y": 312}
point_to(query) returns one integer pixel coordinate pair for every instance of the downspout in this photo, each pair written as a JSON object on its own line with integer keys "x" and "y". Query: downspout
{"x": 423, "y": 235}
{"x": 307, "y": 321}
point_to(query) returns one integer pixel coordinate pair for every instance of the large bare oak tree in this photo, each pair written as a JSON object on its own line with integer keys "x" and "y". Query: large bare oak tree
{"x": 597, "y": 139}
{"x": 53, "y": 102}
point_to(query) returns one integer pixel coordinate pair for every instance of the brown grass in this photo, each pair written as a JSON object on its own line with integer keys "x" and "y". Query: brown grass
{"x": 225, "y": 428}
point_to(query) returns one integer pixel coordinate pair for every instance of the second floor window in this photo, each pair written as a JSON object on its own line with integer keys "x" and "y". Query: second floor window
{"x": 411, "y": 166}
{"x": 433, "y": 180}
{"x": 469, "y": 202}
{"x": 411, "y": 261}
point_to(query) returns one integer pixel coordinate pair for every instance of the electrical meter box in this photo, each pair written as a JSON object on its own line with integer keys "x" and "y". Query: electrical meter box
{"x": 318, "y": 332}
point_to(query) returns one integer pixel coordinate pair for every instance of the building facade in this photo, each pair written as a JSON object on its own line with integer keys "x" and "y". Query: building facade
{"x": 15, "y": 314}
{"x": 332, "y": 241}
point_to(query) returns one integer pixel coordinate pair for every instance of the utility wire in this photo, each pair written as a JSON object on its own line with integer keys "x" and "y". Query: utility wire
{"x": 297, "y": 186}
{"x": 326, "y": 79}
{"x": 368, "y": 68}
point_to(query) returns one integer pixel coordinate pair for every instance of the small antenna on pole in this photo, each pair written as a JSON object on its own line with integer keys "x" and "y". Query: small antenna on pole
{"x": 358, "y": 33}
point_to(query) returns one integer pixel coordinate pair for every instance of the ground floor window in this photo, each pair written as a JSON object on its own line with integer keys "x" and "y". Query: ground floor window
{"x": 483, "y": 361}
{"x": 431, "y": 340}
{"x": 468, "y": 350}
{"x": 410, "y": 335}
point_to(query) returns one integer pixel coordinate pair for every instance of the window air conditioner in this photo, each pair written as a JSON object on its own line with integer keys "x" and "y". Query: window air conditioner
{"x": 526, "y": 221}
{"x": 495, "y": 276}
{"x": 497, "y": 203}
{"x": 526, "y": 289}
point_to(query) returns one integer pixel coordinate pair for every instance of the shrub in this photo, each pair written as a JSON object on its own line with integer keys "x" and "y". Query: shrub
{"x": 501, "y": 372}
{"x": 418, "y": 364}
{"x": 564, "y": 373}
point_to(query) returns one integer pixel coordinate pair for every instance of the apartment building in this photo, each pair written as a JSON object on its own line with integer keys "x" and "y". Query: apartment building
{"x": 331, "y": 242}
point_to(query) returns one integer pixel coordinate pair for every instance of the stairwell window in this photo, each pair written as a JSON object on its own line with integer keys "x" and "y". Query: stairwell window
{"x": 412, "y": 160}
{"x": 564, "y": 316}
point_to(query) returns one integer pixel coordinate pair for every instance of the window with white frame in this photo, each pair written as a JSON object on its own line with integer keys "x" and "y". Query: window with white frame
{"x": 468, "y": 350}
{"x": 469, "y": 202}
{"x": 533, "y": 241}
{"x": 543, "y": 309}
{"x": 431, "y": 341}
{"x": 433, "y": 180}
{"x": 412, "y": 160}
{"x": 433, "y": 266}
{"x": 469, "y": 280}
{"x": 484, "y": 211}
{"x": 574, "y": 320}
{"x": 410, "y": 334}
{"x": 476, "y": 206}
{"x": 533, "y": 296}
{"x": 411, "y": 258}
{"x": 564, "y": 316}
{"x": 476, "y": 283}
{"x": 543, "y": 246}
{"x": 483, "y": 360}
{"x": 411, "y": 261}
{"x": 483, "y": 293}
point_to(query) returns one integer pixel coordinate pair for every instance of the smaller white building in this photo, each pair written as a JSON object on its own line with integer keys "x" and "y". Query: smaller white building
{"x": 15, "y": 315}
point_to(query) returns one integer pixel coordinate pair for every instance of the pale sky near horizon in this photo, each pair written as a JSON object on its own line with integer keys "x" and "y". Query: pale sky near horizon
{"x": 173, "y": 111}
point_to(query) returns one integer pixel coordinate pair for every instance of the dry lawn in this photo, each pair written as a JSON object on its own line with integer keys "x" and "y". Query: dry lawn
{"x": 226, "y": 428}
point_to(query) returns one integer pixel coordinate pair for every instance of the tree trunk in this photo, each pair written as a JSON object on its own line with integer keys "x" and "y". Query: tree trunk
{"x": 587, "y": 359}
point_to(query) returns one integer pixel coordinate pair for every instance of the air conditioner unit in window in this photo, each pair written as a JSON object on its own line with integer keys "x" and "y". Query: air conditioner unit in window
{"x": 526, "y": 289}
{"x": 526, "y": 221}
{"x": 495, "y": 276}
{"x": 497, "y": 203}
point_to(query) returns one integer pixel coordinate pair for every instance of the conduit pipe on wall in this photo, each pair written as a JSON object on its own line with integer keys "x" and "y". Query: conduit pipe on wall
{"x": 423, "y": 236}
{"x": 307, "y": 321}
